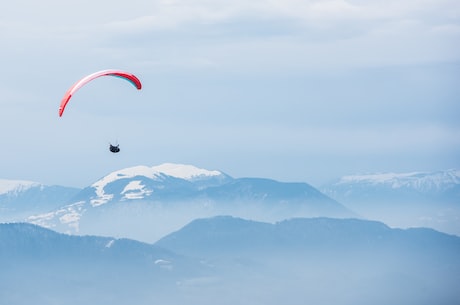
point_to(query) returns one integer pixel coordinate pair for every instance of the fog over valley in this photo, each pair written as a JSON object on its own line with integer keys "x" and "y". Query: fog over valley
{"x": 177, "y": 233}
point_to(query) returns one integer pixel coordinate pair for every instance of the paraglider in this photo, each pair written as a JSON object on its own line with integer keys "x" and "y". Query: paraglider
{"x": 112, "y": 72}
{"x": 114, "y": 148}
{"x": 118, "y": 73}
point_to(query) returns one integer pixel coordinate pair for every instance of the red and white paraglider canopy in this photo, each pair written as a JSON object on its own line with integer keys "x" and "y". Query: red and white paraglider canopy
{"x": 118, "y": 73}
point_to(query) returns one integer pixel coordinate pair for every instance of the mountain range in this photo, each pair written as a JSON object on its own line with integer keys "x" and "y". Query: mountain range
{"x": 427, "y": 199}
{"x": 420, "y": 187}
{"x": 144, "y": 235}
{"x": 163, "y": 198}
{"x": 166, "y": 197}
{"x": 20, "y": 198}
{"x": 228, "y": 260}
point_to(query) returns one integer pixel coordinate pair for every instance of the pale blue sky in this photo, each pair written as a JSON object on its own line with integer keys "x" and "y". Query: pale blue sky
{"x": 284, "y": 89}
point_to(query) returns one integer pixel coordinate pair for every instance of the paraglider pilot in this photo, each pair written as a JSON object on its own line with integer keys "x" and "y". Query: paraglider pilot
{"x": 114, "y": 148}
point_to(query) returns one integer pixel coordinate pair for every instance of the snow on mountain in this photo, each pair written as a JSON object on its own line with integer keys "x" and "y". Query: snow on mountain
{"x": 165, "y": 197}
{"x": 416, "y": 186}
{"x": 430, "y": 199}
{"x": 181, "y": 171}
{"x": 68, "y": 218}
{"x": 420, "y": 181}
{"x": 16, "y": 186}
{"x": 136, "y": 180}
{"x": 20, "y": 198}
{"x": 187, "y": 172}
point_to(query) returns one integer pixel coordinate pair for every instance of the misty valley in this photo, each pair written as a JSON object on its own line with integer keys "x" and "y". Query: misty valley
{"x": 228, "y": 260}
{"x": 176, "y": 234}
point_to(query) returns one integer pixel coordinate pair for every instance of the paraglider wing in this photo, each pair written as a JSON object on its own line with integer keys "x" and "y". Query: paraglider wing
{"x": 118, "y": 73}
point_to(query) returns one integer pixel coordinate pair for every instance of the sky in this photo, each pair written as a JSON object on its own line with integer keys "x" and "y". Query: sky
{"x": 304, "y": 91}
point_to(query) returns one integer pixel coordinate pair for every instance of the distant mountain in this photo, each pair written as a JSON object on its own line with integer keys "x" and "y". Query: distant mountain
{"x": 164, "y": 182}
{"x": 163, "y": 198}
{"x": 403, "y": 199}
{"x": 19, "y": 198}
{"x": 225, "y": 235}
{"x": 23, "y": 240}
{"x": 228, "y": 260}
{"x": 146, "y": 203}
{"x": 441, "y": 186}
{"x": 324, "y": 261}
{"x": 40, "y": 266}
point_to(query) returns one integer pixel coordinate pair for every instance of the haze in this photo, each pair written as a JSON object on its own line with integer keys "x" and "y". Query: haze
{"x": 296, "y": 91}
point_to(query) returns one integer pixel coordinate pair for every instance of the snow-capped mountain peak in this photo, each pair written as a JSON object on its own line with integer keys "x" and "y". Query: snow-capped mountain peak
{"x": 187, "y": 172}
{"x": 377, "y": 178}
{"x": 181, "y": 171}
{"x": 129, "y": 172}
{"x": 417, "y": 180}
{"x": 7, "y": 186}
{"x": 135, "y": 179}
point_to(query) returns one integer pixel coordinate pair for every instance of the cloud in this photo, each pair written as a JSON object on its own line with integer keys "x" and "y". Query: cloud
{"x": 241, "y": 73}
{"x": 288, "y": 32}
{"x": 323, "y": 13}
{"x": 288, "y": 35}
